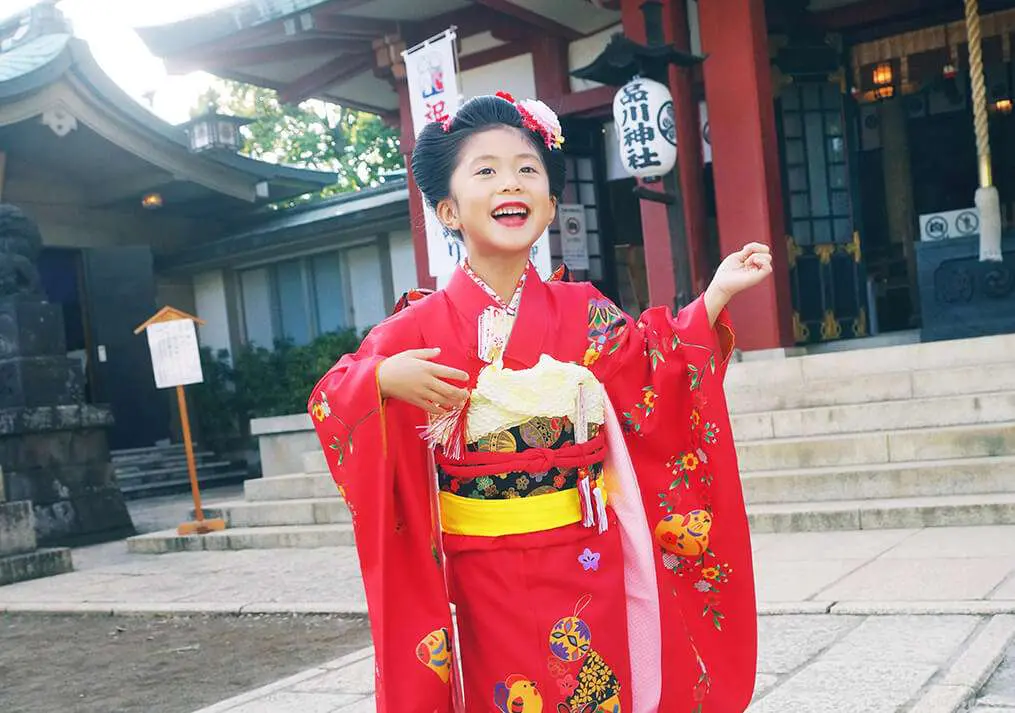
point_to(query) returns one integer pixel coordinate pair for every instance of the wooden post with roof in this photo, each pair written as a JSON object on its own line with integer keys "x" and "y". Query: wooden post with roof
{"x": 176, "y": 361}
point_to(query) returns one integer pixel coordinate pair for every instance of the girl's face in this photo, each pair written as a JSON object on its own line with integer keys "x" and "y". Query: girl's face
{"x": 500, "y": 194}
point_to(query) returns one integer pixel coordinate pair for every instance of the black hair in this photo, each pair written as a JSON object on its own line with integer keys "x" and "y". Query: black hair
{"x": 437, "y": 151}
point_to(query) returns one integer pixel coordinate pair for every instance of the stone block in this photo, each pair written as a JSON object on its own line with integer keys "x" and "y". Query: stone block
{"x": 315, "y": 462}
{"x": 29, "y": 329}
{"x": 97, "y": 515}
{"x": 17, "y": 528}
{"x": 282, "y": 452}
{"x": 40, "y": 381}
{"x": 290, "y": 487}
{"x": 33, "y": 565}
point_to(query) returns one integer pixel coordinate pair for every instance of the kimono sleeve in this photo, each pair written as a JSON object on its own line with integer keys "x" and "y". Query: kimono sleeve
{"x": 657, "y": 355}
{"x": 664, "y": 374}
{"x": 379, "y": 464}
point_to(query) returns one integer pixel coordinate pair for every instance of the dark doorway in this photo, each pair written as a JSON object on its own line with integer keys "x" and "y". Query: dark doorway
{"x": 120, "y": 288}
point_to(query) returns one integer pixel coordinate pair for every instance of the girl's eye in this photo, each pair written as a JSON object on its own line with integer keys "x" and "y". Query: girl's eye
{"x": 484, "y": 172}
{"x": 529, "y": 169}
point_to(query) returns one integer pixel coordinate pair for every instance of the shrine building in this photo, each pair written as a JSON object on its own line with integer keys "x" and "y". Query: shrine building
{"x": 840, "y": 132}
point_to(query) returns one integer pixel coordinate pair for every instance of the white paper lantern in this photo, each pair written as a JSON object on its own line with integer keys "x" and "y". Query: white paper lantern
{"x": 643, "y": 110}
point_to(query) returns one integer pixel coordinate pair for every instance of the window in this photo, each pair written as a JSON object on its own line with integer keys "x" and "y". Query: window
{"x": 295, "y": 299}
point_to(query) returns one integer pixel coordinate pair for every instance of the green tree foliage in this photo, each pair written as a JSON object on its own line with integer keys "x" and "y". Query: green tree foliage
{"x": 358, "y": 146}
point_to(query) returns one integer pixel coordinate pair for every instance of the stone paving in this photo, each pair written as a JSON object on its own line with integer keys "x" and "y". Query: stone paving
{"x": 998, "y": 696}
{"x": 807, "y": 663}
{"x": 866, "y": 621}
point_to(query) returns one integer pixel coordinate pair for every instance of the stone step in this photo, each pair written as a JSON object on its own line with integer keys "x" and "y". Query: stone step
{"x": 880, "y": 481}
{"x": 315, "y": 462}
{"x": 33, "y": 565}
{"x": 890, "y": 386}
{"x": 244, "y": 538}
{"x": 180, "y": 485}
{"x": 290, "y": 487}
{"x": 880, "y": 416}
{"x": 889, "y": 513}
{"x": 146, "y": 450}
{"x": 272, "y": 513}
{"x": 848, "y": 365}
{"x": 930, "y": 444}
{"x": 149, "y": 463}
{"x": 162, "y": 475}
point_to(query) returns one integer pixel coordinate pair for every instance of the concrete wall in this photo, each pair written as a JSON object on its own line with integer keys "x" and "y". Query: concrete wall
{"x": 212, "y": 305}
{"x": 366, "y": 288}
{"x": 580, "y": 53}
{"x": 403, "y": 263}
{"x": 514, "y": 75}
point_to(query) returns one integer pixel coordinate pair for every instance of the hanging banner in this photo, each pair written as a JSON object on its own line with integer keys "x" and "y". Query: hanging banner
{"x": 574, "y": 241}
{"x": 432, "y": 73}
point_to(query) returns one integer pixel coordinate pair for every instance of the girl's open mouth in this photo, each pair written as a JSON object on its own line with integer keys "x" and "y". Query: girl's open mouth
{"x": 511, "y": 215}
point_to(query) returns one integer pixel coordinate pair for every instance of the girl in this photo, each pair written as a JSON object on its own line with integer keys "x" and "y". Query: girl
{"x": 562, "y": 474}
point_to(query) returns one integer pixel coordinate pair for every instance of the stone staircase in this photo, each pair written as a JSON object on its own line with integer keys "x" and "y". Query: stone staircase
{"x": 301, "y": 510}
{"x": 910, "y": 436}
{"x": 897, "y": 437}
{"x": 162, "y": 470}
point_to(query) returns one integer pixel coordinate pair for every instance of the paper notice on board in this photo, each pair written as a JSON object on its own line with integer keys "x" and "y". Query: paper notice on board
{"x": 176, "y": 356}
{"x": 574, "y": 241}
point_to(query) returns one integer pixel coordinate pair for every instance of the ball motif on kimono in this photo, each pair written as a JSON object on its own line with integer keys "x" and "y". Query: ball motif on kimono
{"x": 570, "y": 639}
{"x": 434, "y": 652}
{"x": 685, "y": 535}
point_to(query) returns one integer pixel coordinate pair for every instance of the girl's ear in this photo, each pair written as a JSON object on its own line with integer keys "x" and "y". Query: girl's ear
{"x": 447, "y": 213}
{"x": 553, "y": 209}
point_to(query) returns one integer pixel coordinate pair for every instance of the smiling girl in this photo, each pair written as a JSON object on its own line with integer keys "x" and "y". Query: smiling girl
{"x": 560, "y": 473}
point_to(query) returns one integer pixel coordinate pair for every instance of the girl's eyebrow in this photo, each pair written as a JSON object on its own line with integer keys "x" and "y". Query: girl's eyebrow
{"x": 491, "y": 157}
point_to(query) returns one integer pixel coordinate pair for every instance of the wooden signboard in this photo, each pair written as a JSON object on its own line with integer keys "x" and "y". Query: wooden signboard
{"x": 176, "y": 362}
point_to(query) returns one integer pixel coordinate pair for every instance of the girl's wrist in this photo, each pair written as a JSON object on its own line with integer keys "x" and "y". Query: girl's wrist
{"x": 716, "y": 300}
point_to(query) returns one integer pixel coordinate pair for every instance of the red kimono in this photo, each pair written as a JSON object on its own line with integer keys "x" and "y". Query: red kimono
{"x": 642, "y": 604}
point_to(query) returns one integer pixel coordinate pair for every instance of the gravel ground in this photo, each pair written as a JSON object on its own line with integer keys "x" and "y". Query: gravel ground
{"x": 104, "y": 664}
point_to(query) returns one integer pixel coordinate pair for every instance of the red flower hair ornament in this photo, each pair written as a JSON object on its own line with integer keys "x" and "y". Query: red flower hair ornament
{"x": 538, "y": 117}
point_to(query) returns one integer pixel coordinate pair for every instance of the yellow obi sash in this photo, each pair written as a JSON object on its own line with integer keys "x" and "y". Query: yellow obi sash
{"x": 511, "y": 516}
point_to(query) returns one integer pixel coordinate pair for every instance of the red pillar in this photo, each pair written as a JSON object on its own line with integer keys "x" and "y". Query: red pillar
{"x": 689, "y": 156}
{"x": 741, "y": 114}
{"x": 655, "y": 227}
{"x": 417, "y": 221}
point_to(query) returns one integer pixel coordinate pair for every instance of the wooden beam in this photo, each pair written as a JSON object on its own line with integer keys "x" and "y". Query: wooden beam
{"x": 588, "y": 102}
{"x": 494, "y": 54}
{"x": 872, "y": 12}
{"x": 336, "y": 7}
{"x": 470, "y": 20}
{"x": 349, "y": 26}
{"x": 341, "y": 69}
{"x": 549, "y": 54}
{"x": 540, "y": 22}
{"x": 287, "y": 50}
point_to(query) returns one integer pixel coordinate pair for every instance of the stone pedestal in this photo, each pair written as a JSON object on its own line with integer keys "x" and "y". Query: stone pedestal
{"x": 20, "y": 559}
{"x": 53, "y": 446}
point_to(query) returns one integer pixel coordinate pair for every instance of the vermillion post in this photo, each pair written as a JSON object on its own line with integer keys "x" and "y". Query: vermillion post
{"x": 188, "y": 446}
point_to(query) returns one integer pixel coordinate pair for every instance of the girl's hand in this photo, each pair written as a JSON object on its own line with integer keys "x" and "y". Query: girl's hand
{"x": 738, "y": 272}
{"x": 412, "y": 377}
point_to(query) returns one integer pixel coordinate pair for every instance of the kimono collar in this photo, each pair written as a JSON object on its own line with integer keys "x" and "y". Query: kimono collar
{"x": 531, "y": 325}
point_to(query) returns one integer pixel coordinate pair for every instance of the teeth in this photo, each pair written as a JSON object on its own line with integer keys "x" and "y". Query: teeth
{"x": 510, "y": 211}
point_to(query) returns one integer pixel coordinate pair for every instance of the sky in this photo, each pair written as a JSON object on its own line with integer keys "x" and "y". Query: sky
{"x": 107, "y": 27}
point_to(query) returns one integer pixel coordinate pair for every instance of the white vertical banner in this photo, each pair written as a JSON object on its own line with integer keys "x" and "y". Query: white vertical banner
{"x": 431, "y": 69}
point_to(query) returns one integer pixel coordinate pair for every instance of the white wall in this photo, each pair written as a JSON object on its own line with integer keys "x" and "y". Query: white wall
{"x": 211, "y": 305}
{"x": 403, "y": 263}
{"x": 514, "y": 75}
{"x": 580, "y": 53}
{"x": 366, "y": 289}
